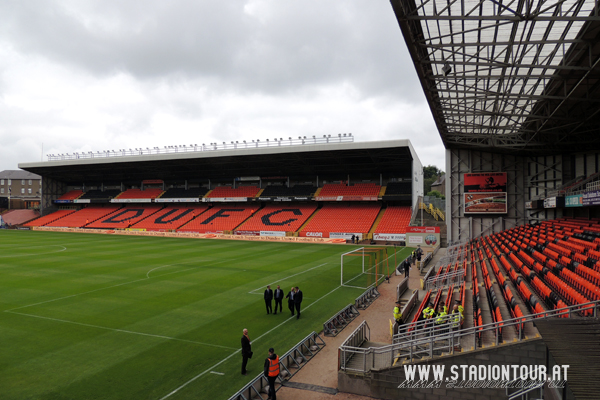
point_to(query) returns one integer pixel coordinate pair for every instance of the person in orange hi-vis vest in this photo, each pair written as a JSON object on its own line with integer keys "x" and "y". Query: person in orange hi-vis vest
{"x": 272, "y": 372}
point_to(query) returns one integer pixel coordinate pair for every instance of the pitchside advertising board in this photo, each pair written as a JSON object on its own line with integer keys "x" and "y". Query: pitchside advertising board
{"x": 423, "y": 235}
{"x": 485, "y": 193}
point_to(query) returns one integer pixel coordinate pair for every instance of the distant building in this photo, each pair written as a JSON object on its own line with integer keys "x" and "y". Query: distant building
{"x": 440, "y": 184}
{"x": 22, "y": 188}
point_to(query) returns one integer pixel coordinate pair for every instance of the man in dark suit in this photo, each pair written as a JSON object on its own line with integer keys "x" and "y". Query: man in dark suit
{"x": 278, "y": 299}
{"x": 297, "y": 301}
{"x": 269, "y": 299}
{"x": 246, "y": 350}
{"x": 290, "y": 297}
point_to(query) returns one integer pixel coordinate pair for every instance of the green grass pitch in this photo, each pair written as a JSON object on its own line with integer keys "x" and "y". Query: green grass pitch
{"x": 88, "y": 316}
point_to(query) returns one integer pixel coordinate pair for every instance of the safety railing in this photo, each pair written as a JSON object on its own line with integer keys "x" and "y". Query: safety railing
{"x": 446, "y": 279}
{"x": 428, "y": 274}
{"x": 516, "y": 389}
{"x": 351, "y": 348}
{"x": 339, "y": 321}
{"x": 423, "y": 263}
{"x": 401, "y": 288}
{"x": 364, "y": 300}
{"x": 410, "y": 304}
{"x": 434, "y": 340}
{"x": 289, "y": 364}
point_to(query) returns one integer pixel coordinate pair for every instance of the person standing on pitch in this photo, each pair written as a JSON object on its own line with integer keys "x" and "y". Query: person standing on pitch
{"x": 297, "y": 301}
{"x": 278, "y": 299}
{"x": 290, "y": 297}
{"x": 246, "y": 350}
{"x": 272, "y": 372}
{"x": 269, "y": 299}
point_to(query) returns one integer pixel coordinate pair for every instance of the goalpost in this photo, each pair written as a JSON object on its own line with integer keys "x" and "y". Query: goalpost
{"x": 365, "y": 267}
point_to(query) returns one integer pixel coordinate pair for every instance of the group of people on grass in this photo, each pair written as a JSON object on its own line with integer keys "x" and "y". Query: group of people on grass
{"x": 294, "y": 297}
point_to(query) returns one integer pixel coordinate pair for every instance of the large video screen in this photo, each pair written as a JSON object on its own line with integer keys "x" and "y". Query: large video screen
{"x": 485, "y": 193}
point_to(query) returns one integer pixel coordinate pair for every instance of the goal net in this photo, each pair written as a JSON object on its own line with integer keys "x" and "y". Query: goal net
{"x": 366, "y": 266}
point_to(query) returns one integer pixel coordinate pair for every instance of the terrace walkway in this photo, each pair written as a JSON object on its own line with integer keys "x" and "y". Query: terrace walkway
{"x": 318, "y": 380}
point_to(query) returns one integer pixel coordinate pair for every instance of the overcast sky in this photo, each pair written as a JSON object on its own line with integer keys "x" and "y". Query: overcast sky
{"x": 86, "y": 75}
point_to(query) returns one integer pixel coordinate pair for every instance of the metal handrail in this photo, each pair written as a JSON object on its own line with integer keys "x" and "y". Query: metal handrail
{"x": 445, "y": 341}
{"x": 445, "y": 279}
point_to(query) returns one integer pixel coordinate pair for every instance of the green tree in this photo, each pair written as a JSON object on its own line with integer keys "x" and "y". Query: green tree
{"x": 430, "y": 175}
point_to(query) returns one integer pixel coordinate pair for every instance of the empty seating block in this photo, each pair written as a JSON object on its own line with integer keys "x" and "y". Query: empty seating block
{"x": 228, "y": 191}
{"x": 358, "y": 189}
{"x": 85, "y": 216}
{"x": 342, "y": 218}
{"x": 278, "y": 217}
{"x": 395, "y": 220}
{"x": 125, "y": 217}
{"x": 180, "y": 193}
{"x": 221, "y": 218}
{"x": 71, "y": 195}
{"x": 171, "y": 217}
{"x": 140, "y": 194}
{"x": 55, "y": 216}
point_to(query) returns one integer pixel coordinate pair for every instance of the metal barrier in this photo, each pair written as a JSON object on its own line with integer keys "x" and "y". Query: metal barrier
{"x": 364, "y": 300}
{"x": 443, "y": 280}
{"x": 401, "y": 288}
{"x": 410, "y": 304}
{"x": 425, "y": 261}
{"x": 351, "y": 346}
{"x": 339, "y": 321}
{"x": 430, "y": 341}
{"x": 290, "y": 363}
{"x": 428, "y": 274}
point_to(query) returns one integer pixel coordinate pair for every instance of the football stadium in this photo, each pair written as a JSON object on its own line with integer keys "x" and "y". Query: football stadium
{"x": 145, "y": 265}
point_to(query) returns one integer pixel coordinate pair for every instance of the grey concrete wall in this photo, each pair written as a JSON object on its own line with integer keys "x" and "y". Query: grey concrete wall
{"x": 385, "y": 384}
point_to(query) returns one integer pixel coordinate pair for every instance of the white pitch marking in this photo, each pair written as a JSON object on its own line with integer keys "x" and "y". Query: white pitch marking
{"x": 93, "y": 291}
{"x": 238, "y": 351}
{"x": 216, "y": 373}
{"x": 37, "y": 254}
{"x": 287, "y": 277}
{"x": 121, "y": 330}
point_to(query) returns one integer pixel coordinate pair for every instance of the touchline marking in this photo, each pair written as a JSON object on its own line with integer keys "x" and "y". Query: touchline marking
{"x": 120, "y": 330}
{"x": 287, "y": 277}
{"x": 238, "y": 351}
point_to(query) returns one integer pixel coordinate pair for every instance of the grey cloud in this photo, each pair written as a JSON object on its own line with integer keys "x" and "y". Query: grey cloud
{"x": 297, "y": 44}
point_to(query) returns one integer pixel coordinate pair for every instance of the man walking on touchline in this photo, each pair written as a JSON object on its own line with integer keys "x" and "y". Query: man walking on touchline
{"x": 297, "y": 301}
